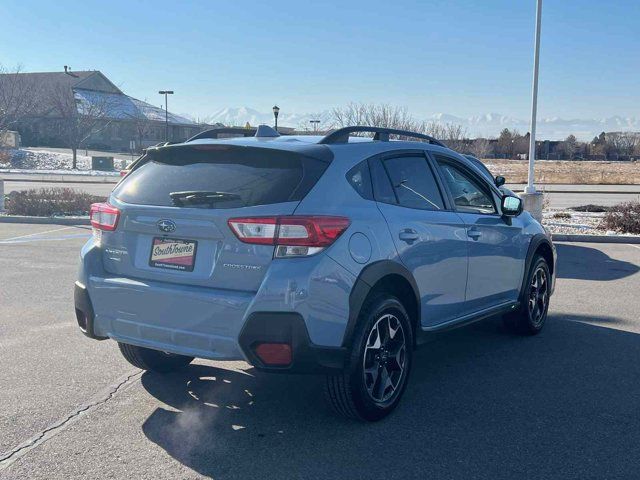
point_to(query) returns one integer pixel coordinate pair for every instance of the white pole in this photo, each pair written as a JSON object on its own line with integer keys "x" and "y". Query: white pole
{"x": 1, "y": 195}
{"x": 534, "y": 102}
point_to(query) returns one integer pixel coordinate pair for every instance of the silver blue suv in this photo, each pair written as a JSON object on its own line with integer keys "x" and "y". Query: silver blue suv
{"x": 335, "y": 255}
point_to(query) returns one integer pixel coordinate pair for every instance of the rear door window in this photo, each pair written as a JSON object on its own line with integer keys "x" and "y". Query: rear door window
{"x": 220, "y": 178}
{"x": 413, "y": 182}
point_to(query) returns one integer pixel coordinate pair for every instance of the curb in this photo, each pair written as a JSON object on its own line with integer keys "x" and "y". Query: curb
{"x": 592, "y": 192}
{"x": 45, "y": 220}
{"x": 36, "y": 176}
{"x": 596, "y": 238}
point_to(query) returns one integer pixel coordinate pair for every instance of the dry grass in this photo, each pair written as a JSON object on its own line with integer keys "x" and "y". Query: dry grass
{"x": 555, "y": 171}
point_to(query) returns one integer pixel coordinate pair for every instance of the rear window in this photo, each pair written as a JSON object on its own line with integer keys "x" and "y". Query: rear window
{"x": 220, "y": 178}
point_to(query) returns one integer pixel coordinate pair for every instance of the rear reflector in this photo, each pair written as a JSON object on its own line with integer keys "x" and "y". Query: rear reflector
{"x": 274, "y": 354}
{"x": 104, "y": 217}
{"x": 294, "y": 235}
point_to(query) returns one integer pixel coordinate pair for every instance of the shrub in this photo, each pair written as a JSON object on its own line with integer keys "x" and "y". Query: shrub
{"x": 624, "y": 217}
{"x": 565, "y": 215}
{"x": 47, "y": 202}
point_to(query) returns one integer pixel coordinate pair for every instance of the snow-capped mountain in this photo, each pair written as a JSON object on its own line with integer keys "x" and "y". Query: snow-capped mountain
{"x": 554, "y": 128}
{"x": 485, "y": 125}
{"x": 241, "y": 115}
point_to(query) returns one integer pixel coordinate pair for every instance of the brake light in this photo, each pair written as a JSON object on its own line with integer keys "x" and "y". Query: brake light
{"x": 293, "y": 235}
{"x": 104, "y": 217}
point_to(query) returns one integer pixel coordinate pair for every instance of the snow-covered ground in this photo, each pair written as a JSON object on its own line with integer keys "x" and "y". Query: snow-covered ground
{"x": 49, "y": 161}
{"x": 575, "y": 223}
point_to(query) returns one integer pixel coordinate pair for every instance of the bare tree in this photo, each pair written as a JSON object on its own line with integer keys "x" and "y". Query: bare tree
{"x": 389, "y": 116}
{"x": 142, "y": 127}
{"x": 381, "y": 115}
{"x": 481, "y": 148}
{"x": 18, "y": 98}
{"x": 623, "y": 143}
{"x": 79, "y": 117}
{"x": 454, "y": 136}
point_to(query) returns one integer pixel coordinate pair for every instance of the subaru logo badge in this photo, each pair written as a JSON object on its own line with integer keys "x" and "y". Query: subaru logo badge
{"x": 166, "y": 226}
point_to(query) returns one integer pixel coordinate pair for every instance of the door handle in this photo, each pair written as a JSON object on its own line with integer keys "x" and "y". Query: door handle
{"x": 408, "y": 235}
{"x": 474, "y": 233}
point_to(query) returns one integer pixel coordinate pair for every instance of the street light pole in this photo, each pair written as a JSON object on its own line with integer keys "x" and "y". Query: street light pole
{"x": 315, "y": 124}
{"x": 534, "y": 101}
{"x": 166, "y": 113}
{"x": 276, "y": 111}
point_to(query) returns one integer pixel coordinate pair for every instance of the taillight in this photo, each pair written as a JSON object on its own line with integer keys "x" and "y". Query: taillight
{"x": 104, "y": 217}
{"x": 293, "y": 235}
{"x": 260, "y": 230}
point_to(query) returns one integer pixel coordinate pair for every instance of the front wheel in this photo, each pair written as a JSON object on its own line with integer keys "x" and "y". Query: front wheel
{"x": 532, "y": 314}
{"x": 376, "y": 375}
{"x": 154, "y": 360}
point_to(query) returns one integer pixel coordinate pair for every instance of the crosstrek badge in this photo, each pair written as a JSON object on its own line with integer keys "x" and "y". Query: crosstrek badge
{"x": 173, "y": 254}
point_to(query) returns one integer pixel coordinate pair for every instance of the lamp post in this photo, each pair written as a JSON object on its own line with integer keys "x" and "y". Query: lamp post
{"x": 532, "y": 199}
{"x": 315, "y": 124}
{"x": 166, "y": 113}
{"x": 276, "y": 111}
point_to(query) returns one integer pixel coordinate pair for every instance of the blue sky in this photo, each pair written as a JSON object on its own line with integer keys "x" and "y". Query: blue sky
{"x": 460, "y": 57}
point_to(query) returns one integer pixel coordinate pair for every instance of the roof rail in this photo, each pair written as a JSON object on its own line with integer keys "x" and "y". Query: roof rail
{"x": 381, "y": 134}
{"x": 216, "y": 132}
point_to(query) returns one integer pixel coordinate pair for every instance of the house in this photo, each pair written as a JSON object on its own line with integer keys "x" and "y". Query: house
{"x": 94, "y": 111}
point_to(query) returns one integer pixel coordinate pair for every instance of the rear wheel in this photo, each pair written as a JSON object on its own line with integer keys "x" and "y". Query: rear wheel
{"x": 376, "y": 375}
{"x": 532, "y": 315}
{"x": 154, "y": 360}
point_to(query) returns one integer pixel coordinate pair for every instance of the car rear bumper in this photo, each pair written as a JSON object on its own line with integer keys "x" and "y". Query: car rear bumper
{"x": 190, "y": 321}
{"x": 217, "y": 343}
{"x": 310, "y": 294}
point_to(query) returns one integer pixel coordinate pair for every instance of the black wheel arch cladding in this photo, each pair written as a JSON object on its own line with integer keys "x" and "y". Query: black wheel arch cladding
{"x": 369, "y": 277}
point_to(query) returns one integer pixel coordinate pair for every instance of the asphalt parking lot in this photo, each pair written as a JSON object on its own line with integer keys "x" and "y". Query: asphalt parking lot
{"x": 481, "y": 403}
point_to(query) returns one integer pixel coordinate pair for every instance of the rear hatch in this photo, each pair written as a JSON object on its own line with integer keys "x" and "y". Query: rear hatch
{"x": 174, "y": 208}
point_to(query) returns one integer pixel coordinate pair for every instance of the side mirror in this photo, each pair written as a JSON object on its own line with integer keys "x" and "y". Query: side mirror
{"x": 511, "y": 206}
{"x": 499, "y": 181}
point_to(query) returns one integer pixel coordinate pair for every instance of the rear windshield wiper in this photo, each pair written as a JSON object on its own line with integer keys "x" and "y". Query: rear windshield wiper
{"x": 200, "y": 197}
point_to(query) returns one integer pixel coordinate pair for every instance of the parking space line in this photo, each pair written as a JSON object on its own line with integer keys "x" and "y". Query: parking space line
{"x": 36, "y": 233}
{"x": 634, "y": 246}
{"x": 46, "y": 239}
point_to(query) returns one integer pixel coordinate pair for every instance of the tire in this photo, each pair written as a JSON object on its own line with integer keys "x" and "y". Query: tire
{"x": 153, "y": 360}
{"x": 530, "y": 318}
{"x": 377, "y": 347}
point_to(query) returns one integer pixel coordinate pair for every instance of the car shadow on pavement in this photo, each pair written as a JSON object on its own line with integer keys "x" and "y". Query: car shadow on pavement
{"x": 481, "y": 403}
{"x": 586, "y": 263}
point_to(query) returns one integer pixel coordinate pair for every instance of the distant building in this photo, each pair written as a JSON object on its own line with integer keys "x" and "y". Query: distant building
{"x": 123, "y": 119}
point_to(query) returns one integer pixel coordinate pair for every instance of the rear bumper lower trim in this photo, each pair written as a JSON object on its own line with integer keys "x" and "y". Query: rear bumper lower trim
{"x": 289, "y": 327}
{"x": 84, "y": 311}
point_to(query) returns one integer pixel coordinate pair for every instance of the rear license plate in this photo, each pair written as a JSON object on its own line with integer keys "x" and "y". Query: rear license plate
{"x": 173, "y": 253}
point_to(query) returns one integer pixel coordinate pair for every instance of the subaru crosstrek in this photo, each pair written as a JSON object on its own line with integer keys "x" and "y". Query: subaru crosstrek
{"x": 335, "y": 255}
